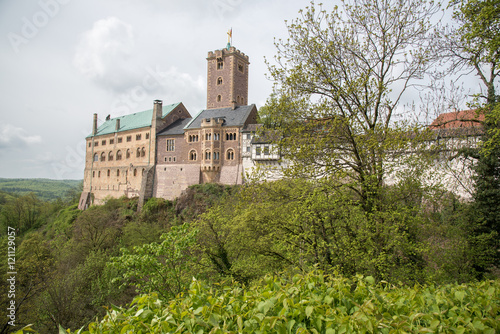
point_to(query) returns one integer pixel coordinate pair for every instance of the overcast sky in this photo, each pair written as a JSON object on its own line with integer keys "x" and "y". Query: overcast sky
{"x": 61, "y": 61}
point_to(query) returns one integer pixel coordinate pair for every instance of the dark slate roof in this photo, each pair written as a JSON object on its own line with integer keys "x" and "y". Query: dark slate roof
{"x": 133, "y": 121}
{"x": 236, "y": 117}
{"x": 176, "y": 128}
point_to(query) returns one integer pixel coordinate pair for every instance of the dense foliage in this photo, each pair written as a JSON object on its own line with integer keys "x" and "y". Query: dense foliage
{"x": 312, "y": 303}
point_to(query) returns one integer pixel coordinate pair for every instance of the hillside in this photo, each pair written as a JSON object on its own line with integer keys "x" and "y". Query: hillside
{"x": 45, "y": 189}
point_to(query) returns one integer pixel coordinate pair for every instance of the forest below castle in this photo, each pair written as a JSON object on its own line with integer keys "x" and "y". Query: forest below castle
{"x": 330, "y": 247}
{"x": 271, "y": 256}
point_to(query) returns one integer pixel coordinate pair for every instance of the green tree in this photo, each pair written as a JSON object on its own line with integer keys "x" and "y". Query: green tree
{"x": 474, "y": 46}
{"x": 166, "y": 267}
{"x": 340, "y": 78}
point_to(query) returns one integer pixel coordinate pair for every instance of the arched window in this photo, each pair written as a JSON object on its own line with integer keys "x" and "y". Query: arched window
{"x": 219, "y": 98}
{"x": 103, "y": 156}
{"x": 192, "y": 155}
{"x": 219, "y": 81}
{"x": 118, "y": 155}
{"x": 220, "y": 63}
{"x": 143, "y": 152}
{"x": 117, "y": 172}
{"x": 207, "y": 155}
{"x": 109, "y": 172}
{"x": 230, "y": 154}
{"x": 127, "y": 155}
{"x": 216, "y": 155}
{"x": 96, "y": 157}
{"x": 135, "y": 171}
{"x": 99, "y": 174}
{"x": 110, "y": 156}
{"x": 138, "y": 154}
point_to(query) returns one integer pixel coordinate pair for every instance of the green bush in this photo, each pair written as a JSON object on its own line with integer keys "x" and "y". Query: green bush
{"x": 312, "y": 303}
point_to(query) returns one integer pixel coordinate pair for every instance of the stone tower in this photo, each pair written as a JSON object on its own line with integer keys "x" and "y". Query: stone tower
{"x": 227, "y": 79}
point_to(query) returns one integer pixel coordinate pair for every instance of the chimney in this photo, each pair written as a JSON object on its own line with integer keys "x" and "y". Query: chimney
{"x": 94, "y": 127}
{"x": 117, "y": 125}
{"x": 233, "y": 105}
{"x": 157, "y": 109}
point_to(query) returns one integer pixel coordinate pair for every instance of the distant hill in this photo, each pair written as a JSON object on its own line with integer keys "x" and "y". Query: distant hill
{"x": 45, "y": 189}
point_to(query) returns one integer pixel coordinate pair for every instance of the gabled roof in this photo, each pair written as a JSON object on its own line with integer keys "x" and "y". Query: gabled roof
{"x": 133, "y": 121}
{"x": 236, "y": 117}
{"x": 458, "y": 119}
{"x": 176, "y": 128}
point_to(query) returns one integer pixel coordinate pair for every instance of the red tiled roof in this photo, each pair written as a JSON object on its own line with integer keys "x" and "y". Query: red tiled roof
{"x": 458, "y": 119}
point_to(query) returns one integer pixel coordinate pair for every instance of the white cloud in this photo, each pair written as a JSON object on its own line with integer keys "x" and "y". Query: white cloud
{"x": 104, "y": 53}
{"x": 12, "y": 137}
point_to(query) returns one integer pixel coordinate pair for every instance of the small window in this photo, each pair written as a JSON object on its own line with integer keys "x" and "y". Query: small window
{"x": 96, "y": 144}
{"x": 99, "y": 174}
{"x": 220, "y": 63}
{"x": 147, "y": 135}
{"x": 93, "y": 174}
{"x": 109, "y": 172}
{"x": 138, "y": 137}
{"x": 138, "y": 153}
{"x": 241, "y": 68}
{"x": 111, "y": 141}
{"x": 219, "y": 98}
{"x": 127, "y": 155}
{"x": 165, "y": 159}
{"x": 118, "y": 155}
{"x": 90, "y": 144}
{"x": 135, "y": 172}
{"x": 257, "y": 150}
{"x": 117, "y": 172}
{"x": 230, "y": 155}
{"x": 216, "y": 156}
{"x": 110, "y": 156}
{"x": 249, "y": 136}
{"x": 266, "y": 150}
{"x": 170, "y": 145}
{"x": 248, "y": 148}
{"x": 143, "y": 152}
{"x": 119, "y": 140}
{"x": 96, "y": 157}
{"x": 103, "y": 156}
{"x": 219, "y": 81}
{"x": 103, "y": 142}
{"x": 192, "y": 155}
{"x": 174, "y": 159}
{"x": 207, "y": 155}
{"x": 129, "y": 139}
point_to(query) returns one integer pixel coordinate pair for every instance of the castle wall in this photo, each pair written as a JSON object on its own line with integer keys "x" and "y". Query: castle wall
{"x": 171, "y": 180}
{"x": 115, "y": 163}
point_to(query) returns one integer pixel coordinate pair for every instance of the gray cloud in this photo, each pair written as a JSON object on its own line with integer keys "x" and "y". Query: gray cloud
{"x": 13, "y": 137}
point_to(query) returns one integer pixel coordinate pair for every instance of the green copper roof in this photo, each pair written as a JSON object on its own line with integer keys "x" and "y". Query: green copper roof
{"x": 133, "y": 121}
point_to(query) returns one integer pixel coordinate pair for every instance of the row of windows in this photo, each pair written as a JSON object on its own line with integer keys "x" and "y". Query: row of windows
{"x": 195, "y": 138}
{"x": 119, "y": 139}
{"x": 212, "y": 155}
{"x": 258, "y": 150}
{"x": 220, "y": 65}
{"x": 140, "y": 152}
{"x": 117, "y": 173}
{"x": 239, "y": 99}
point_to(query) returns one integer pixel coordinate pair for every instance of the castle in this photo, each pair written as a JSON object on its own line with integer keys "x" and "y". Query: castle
{"x": 162, "y": 151}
